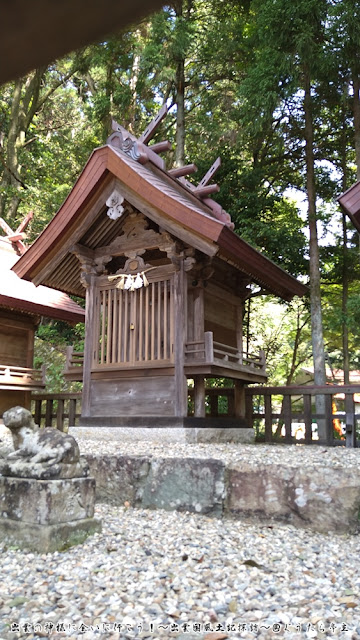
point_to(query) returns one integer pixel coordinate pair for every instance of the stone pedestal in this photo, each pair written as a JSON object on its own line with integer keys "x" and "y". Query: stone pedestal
{"x": 47, "y": 515}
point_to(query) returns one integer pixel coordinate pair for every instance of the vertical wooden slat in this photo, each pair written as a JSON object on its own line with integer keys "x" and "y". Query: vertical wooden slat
{"x": 328, "y": 420}
{"x": 239, "y": 331}
{"x": 268, "y": 418}
{"x": 141, "y": 324}
{"x": 165, "y": 329}
{"x": 60, "y": 415}
{"x": 350, "y": 420}
{"x": 120, "y": 326}
{"x": 152, "y": 357}
{"x": 133, "y": 323}
{"x": 199, "y": 316}
{"x": 89, "y": 344}
{"x": 37, "y": 414}
{"x": 97, "y": 321}
{"x": 109, "y": 326}
{"x": 126, "y": 325}
{"x": 72, "y": 412}
{"x": 103, "y": 325}
{"x": 249, "y": 409}
{"x": 287, "y": 418}
{"x": 172, "y": 320}
{"x": 180, "y": 294}
{"x": 114, "y": 327}
{"x": 48, "y": 413}
{"x": 159, "y": 321}
{"x": 307, "y": 418}
{"x": 147, "y": 319}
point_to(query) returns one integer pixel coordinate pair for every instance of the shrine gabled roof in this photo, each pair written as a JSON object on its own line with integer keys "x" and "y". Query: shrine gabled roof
{"x": 350, "y": 203}
{"x": 25, "y": 297}
{"x": 167, "y": 201}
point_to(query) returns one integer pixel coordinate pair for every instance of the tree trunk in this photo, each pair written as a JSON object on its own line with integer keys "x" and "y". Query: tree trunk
{"x": 315, "y": 292}
{"x": 180, "y": 114}
{"x": 345, "y": 274}
{"x": 356, "y": 112}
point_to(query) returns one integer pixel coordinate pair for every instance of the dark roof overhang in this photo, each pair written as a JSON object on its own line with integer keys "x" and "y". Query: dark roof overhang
{"x": 32, "y": 34}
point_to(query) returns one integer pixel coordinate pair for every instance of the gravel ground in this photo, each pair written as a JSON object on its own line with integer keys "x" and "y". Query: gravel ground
{"x": 190, "y": 577}
{"x": 291, "y": 456}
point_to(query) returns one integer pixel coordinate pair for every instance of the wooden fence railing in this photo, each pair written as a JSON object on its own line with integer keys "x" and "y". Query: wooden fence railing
{"x": 296, "y": 418}
{"x": 60, "y": 410}
{"x": 21, "y": 377}
{"x": 74, "y": 364}
{"x": 219, "y": 401}
{"x": 278, "y": 414}
{"x": 210, "y": 351}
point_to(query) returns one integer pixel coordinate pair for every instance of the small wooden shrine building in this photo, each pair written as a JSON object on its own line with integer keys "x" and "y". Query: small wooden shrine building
{"x": 350, "y": 204}
{"x": 165, "y": 279}
{"x": 21, "y": 307}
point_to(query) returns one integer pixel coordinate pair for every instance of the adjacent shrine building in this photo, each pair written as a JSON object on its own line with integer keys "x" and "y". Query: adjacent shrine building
{"x": 21, "y": 307}
{"x": 165, "y": 279}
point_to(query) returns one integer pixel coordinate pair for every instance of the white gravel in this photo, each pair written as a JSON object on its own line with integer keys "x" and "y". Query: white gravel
{"x": 222, "y": 578}
{"x": 290, "y": 456}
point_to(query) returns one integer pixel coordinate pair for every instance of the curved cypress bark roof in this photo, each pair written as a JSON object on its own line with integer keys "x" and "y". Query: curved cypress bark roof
{"x": 170, "y": 202}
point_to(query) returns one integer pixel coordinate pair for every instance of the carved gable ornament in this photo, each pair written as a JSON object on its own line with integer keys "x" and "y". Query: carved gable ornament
{"x": 114, "y": 202}
{"x": 135, "y": 236}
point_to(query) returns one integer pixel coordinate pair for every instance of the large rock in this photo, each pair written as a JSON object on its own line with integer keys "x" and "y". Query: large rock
{"x": 195, "y": 485}
{"x": 119, "y": 479}
{"x": 323, "y": 499}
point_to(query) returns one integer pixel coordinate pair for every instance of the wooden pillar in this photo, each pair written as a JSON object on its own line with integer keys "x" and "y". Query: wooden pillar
{"x": 199, "y": 397}
{"x": 239, "y": 331}
{"x": 199, "y": 318}
{"x": 89, "y": 343}
{"x": 180, "y": 291}
{"x": 239, "y": 399}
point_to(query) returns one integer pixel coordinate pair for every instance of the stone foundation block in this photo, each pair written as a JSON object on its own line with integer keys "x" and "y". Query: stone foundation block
{"x": 217, "y": 434}
{"x": 119, "y": 478}
{"x": 46, "y": 515}
{"x": 322, "y": 499}
{"x": 192, "y": 484}
{"x": 47, "y": 538}
{"x": 46, "y": 502}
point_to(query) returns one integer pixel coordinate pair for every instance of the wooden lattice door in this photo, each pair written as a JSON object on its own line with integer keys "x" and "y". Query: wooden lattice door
{"x": 134, "y": 327}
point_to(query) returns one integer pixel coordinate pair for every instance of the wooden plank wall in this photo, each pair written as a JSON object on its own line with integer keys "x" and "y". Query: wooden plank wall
{"x": 143, "y": 396}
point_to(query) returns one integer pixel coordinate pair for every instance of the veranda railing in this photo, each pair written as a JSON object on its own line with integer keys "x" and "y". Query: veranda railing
{"x": 289, "y": 414}
{"x": 60, "y": 410}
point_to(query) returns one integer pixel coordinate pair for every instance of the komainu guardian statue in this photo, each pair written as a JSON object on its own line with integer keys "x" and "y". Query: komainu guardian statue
{"x": 41, "y": 454}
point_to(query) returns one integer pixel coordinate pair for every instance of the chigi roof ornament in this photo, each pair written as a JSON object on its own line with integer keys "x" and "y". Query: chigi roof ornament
{"x": 139, "y": 150}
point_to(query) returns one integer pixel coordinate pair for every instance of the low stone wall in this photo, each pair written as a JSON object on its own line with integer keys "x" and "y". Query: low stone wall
{"x": 325, "y": 499}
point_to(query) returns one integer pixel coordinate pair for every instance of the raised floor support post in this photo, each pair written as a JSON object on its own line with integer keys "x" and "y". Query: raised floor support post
{"x": 199, "y": 397}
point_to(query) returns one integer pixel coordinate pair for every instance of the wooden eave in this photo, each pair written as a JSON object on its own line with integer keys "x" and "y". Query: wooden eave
{"x": 261, "y": 269}
{"x": 32, "y": 308}
{"x": 350, "y": 204}
{"x": 32, "y": 34}
{"x": 23, "y": 297}
{"x": 160, "y": 197}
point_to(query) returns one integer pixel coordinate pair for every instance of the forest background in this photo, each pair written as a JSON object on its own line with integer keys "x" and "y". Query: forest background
{"x": 272, "y": 86}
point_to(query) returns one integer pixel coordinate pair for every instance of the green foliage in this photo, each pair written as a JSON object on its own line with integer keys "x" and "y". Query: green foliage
{"x": 51, "y": 340}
